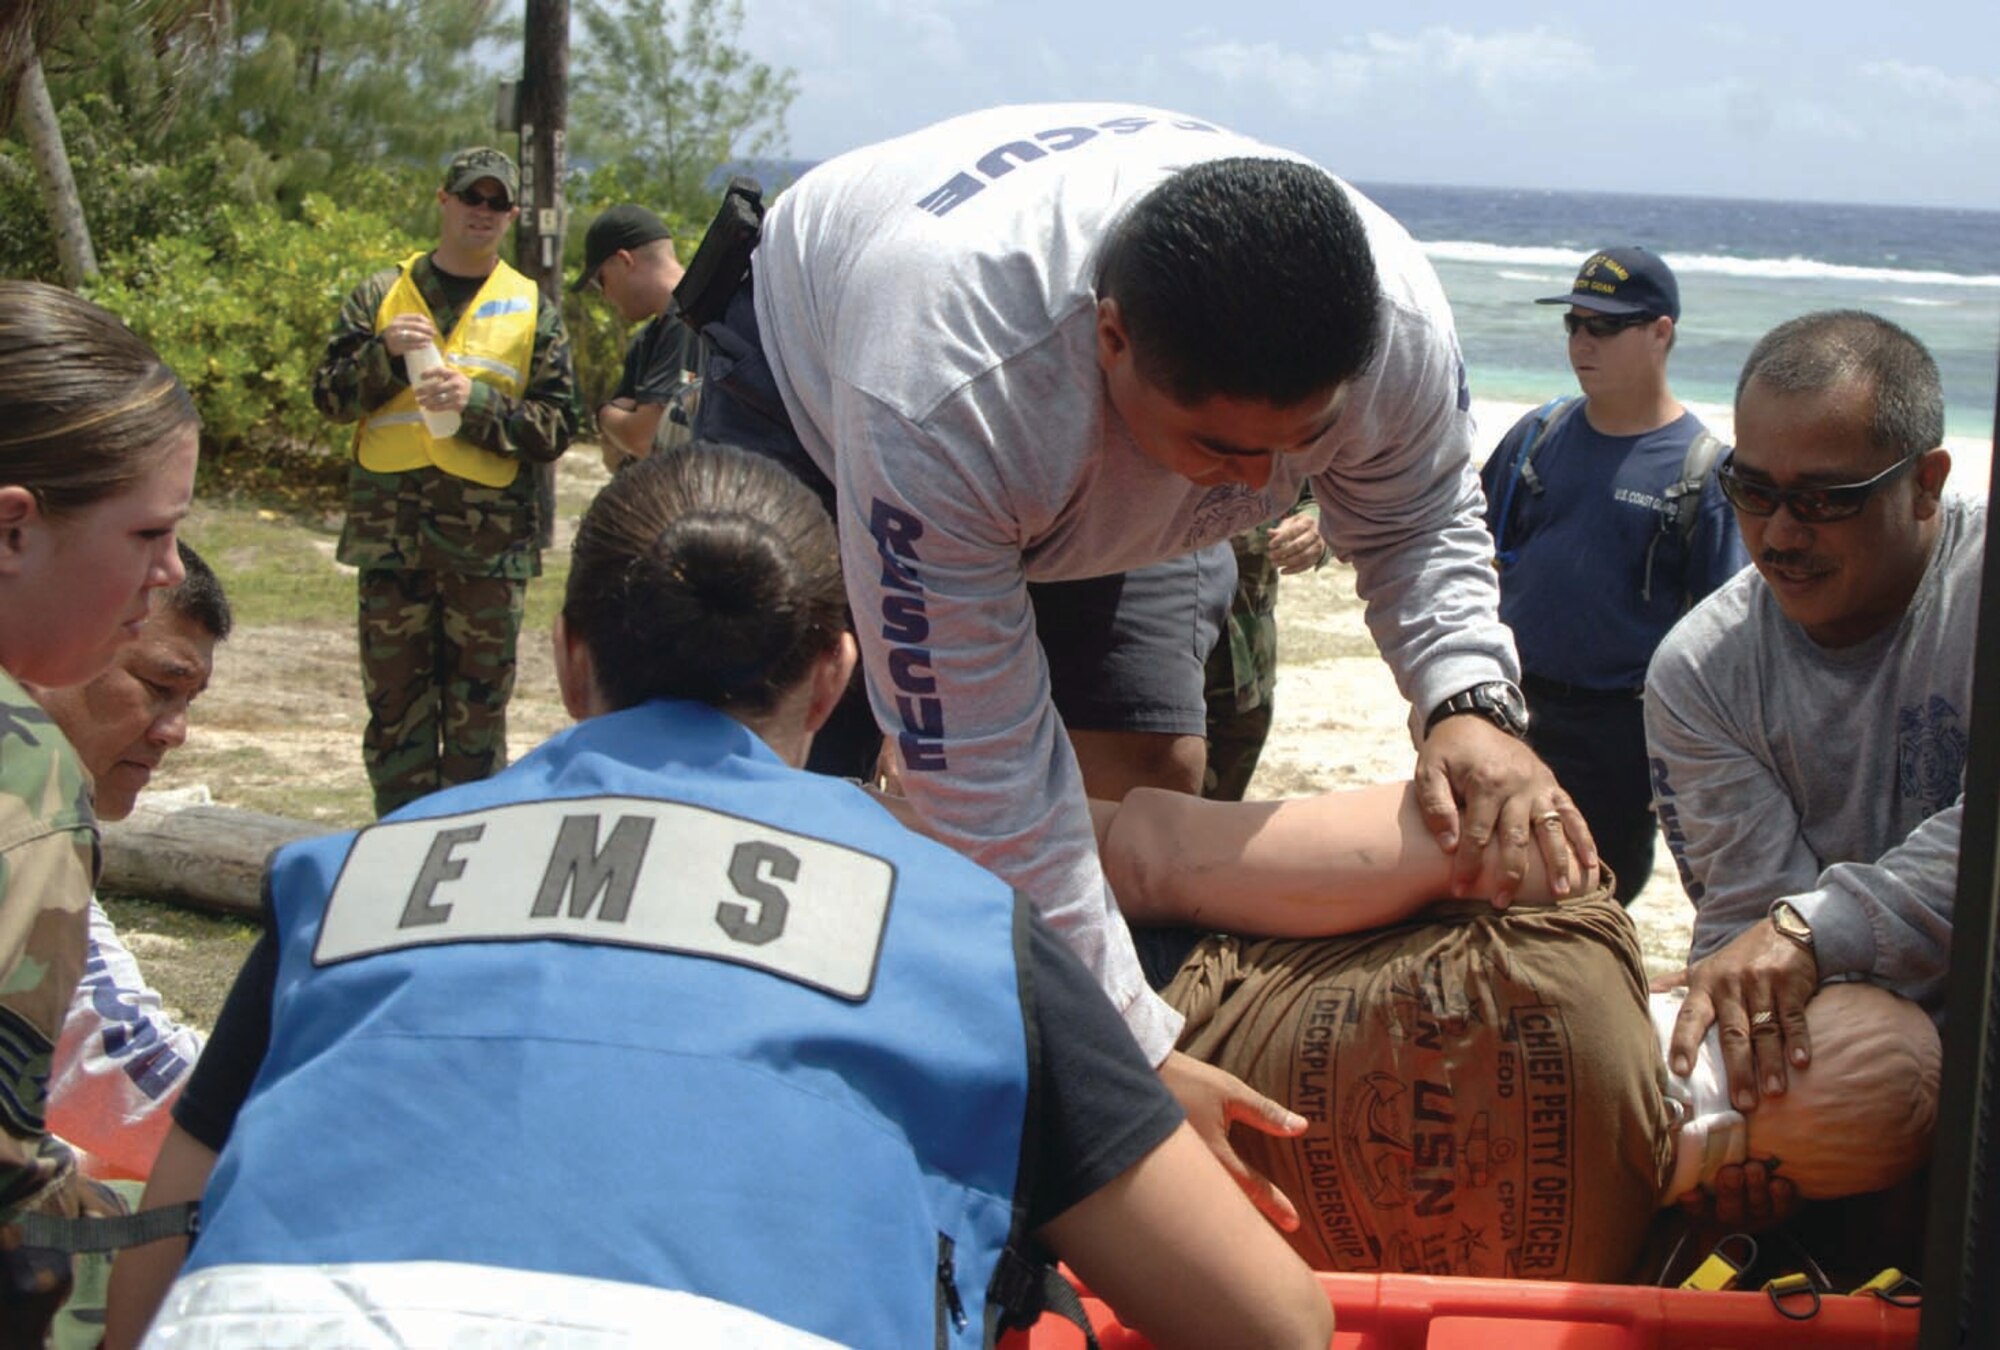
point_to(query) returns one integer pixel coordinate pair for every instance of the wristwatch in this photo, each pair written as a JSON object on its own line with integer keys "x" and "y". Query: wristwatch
{"x": 1498, "y": 701}
{"x": 1792, "y": 924}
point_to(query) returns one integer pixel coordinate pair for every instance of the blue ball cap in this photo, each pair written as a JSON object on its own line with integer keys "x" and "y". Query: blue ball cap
{"x": 1624, "y": 280}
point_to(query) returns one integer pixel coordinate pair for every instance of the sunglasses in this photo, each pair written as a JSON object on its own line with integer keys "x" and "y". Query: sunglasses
{"x": 475, "y": 199}
{"x": 1604, "y": 325}
{"x": 1809, "y": 505}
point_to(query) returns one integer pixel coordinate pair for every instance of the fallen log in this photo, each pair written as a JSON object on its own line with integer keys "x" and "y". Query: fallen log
{"x": 209, "y": 857}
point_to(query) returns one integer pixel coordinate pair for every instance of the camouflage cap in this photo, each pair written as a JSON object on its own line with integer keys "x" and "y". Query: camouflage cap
{"x": 482, "y": 161}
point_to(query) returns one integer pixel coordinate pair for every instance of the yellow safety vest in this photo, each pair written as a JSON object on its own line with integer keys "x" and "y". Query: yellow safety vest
{"x": 493, "y": 343}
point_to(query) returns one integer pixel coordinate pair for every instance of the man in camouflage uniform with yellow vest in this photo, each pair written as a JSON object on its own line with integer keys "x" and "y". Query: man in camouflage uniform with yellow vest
{"x": 445, "y": 530}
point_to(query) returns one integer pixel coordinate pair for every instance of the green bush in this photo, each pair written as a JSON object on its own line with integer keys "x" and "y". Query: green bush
{"x": 241, "y": 307}
{"x": 234, "y": 266}
{"x": 124, "y": 197}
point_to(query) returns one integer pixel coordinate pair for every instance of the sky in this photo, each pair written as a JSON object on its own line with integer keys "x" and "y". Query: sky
{"x": 1896, "y": 101}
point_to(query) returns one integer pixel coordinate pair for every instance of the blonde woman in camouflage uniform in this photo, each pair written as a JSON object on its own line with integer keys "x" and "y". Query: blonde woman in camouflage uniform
{"x": 97, "y": 453}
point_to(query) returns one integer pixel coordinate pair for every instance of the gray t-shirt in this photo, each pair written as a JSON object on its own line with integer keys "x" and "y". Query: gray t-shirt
{"x": 928, "y": 309}
{"x": 1832, "y": 777}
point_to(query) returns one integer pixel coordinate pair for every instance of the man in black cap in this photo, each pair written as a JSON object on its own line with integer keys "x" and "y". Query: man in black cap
{"x": 1606, "y": 532}
{"x": 629, "y": 259}
{"x": 444, "y": 528}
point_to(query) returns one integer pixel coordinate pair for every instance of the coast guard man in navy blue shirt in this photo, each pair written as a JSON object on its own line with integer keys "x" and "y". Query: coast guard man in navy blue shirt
{"x": 1607, "y": 528}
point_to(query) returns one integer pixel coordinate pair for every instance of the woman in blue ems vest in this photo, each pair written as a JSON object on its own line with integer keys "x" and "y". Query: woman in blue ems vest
{"x": 655, "y": 1038}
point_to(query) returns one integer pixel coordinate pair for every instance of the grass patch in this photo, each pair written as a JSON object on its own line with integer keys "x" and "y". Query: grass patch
{"x": 258, "y": 779}
{"x": 277, "y": 568}
{"x": 191, "y": 958}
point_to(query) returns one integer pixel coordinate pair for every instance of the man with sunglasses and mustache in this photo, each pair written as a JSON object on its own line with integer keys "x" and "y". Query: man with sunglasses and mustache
{"x": 1808, "y": 724}
{"x": 445, "y": 530}
{"x": 1596, "y": 560}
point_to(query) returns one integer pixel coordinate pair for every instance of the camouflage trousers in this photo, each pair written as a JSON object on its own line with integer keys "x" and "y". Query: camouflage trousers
{"x": 1242, "y": 674}
{"x": 437, "y": 663}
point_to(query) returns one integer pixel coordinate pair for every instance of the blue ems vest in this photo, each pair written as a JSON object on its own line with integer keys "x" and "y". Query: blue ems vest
{"x": 649, "y": 1006}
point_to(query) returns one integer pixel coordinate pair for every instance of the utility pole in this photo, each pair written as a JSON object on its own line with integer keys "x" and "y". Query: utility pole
{"x": 542, "y": 118}
{"x": 544, "y": 125}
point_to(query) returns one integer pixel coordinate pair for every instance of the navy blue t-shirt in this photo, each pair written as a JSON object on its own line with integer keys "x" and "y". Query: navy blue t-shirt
{"x": 1574, "y": 590}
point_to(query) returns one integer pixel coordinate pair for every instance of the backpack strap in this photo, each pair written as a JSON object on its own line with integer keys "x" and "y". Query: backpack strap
{"x": 1547, "y": 418}
{"x": 1685, "y": 495}
{"x": 1024, "y": 1288}
{"x": 1683, "y": 500}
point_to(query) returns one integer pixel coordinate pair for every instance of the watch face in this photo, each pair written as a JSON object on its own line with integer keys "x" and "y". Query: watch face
{"x": 1503, "y": 703}
{"x": 1497, "y": 701}
{"x": 1790, "y": 922}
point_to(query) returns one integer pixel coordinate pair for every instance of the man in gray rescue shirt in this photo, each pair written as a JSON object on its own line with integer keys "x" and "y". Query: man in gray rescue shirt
{"x": 1808, "y": 723}
{"x": 1056, "y": 342}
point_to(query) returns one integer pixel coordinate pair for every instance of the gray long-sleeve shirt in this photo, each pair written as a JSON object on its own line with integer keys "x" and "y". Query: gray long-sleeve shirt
{"x": 928, "y": 309}
{"x": 1832, "y": 777}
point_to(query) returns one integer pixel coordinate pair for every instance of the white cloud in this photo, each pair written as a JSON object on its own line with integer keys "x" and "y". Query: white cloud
{"x": 1375, "y": 65}
{"x": 1304, "y": 83}
{"x": 932, "y": 28}
{"x": 1934, "y": 92}
{"x": 819, "y": 38}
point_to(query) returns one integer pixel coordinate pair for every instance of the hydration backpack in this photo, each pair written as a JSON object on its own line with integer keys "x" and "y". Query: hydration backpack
{"x": 1683, "y": 496}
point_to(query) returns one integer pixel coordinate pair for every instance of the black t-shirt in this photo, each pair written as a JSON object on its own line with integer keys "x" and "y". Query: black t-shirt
{"x": 656, "y": 360}
{"x": 460, "y": 290}
{"x": 1095, "y": 1106}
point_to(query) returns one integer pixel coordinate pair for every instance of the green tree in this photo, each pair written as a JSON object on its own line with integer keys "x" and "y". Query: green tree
{"x": 294, "y": 95}
{"x": 665, "y": 95}
{"x": 28, "y": 29}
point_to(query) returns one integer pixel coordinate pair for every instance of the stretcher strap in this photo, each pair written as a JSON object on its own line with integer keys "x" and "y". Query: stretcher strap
{"x": 109, "y": 1233}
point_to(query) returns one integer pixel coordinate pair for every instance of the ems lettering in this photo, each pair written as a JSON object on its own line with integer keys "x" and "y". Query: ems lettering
{"x": 1004, "y": 158}
{"x": 905, "y": 619}
{"x": 746, "y": 866}
{"x": 439, "y": 867}
{"x": 579, "y": 869}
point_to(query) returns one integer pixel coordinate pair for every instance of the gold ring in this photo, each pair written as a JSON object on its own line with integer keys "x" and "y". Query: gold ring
{"x": 1762, "y": 1019}
{"x": 1552, "y": 819}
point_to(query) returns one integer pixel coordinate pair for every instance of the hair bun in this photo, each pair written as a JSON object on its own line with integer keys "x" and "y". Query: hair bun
{"x": 709, "y": 573}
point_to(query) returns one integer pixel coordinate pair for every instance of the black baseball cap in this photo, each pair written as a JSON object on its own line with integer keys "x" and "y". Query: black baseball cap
{"x": 626, "y": 225}
{"x": 1624, "y": 280}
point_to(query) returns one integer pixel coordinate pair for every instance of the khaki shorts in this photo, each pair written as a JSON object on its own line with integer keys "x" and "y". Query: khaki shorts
{"x": 1485, "y": 1092}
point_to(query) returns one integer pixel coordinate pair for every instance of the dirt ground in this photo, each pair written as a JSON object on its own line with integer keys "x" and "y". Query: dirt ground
{"x": 280, "y": 726}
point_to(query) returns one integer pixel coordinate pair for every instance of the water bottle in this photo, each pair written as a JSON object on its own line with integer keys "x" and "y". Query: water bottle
{"x": 440, "y": 424}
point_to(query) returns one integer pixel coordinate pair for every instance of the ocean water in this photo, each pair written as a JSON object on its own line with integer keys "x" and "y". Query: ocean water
{"x": 1743, "y": 268}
